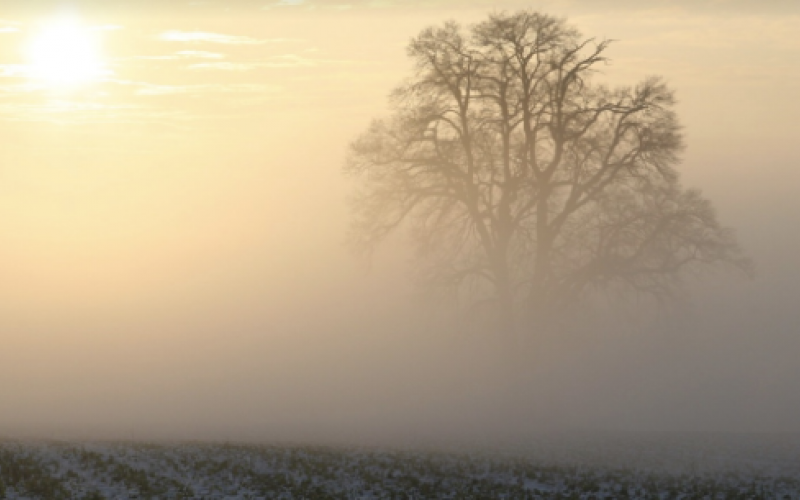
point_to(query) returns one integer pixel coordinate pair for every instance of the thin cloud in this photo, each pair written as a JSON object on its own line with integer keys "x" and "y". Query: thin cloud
{"x": 149, "y": 89}
{"x": 184, "y": 54}
{"x": 68, "y": 111}
{"x": 107, "y": 27}
{"x": 200, "y": 54}
{"x": 207, "y": 37}
{"x": 287, "y": 3}
{"x": 20, "y": 88}
{"x": 227, "y": 66}
{"x": 288, "y": 61}
{"x": 371, "y": 4}
{"x": 283, "y": 61}
{"x": 12, "y": 70}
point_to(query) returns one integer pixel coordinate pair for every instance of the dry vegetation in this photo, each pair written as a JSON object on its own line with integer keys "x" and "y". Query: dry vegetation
{"x": 647, "y": 467}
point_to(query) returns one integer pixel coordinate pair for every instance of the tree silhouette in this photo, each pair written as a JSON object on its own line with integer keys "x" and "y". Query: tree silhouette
{"x": 525, "y": 185}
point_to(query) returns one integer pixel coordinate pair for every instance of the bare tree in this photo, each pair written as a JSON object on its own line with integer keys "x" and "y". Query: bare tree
{"x": 525, "y": 185}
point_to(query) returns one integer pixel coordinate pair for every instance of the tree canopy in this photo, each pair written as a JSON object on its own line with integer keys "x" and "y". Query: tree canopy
{"x": 526, "y": 185}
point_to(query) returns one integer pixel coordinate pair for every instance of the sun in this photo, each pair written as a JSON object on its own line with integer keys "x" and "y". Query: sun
{"x": 64, "y": 54}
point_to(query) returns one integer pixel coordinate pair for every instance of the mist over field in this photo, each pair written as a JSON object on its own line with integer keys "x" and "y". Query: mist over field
{"x": 173, "y": 257}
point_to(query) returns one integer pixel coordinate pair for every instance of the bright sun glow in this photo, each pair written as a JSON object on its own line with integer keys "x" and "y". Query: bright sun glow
{"x": 64, "y": 54}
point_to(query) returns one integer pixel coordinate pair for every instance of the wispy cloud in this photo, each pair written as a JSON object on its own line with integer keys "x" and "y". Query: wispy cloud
{"x": 107, "y": 27}
{"x": 372, "y": 4}
{"x": 200, "y": 54}
{"x": 282, "y": 61}
{"x": 227, "y": 66}
{"x": 68, "y": 111}
{"x": 184, "y": 54}
{"x": 19, "y": 88}
{"x": 148, "y": 89}
{"x": 12, "y": 70}
{"x": 207, "y": 37}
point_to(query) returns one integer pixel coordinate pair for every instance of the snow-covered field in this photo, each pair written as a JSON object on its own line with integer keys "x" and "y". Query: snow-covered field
{"x": 576, "y": 467}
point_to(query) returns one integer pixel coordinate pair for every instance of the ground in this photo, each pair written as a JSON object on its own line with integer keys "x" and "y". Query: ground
{"x": 646, "y": 466}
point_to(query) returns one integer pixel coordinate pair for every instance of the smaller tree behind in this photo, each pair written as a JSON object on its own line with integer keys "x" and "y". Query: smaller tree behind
{"x": 525, "y": 185}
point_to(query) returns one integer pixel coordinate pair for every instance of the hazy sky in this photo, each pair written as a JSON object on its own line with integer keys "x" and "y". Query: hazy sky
{"x": 171, "y": 232}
